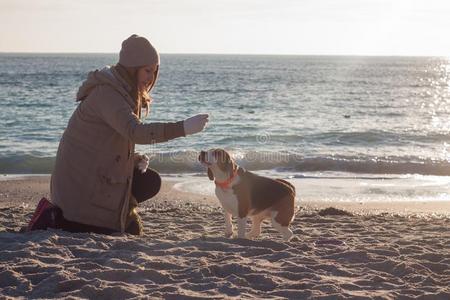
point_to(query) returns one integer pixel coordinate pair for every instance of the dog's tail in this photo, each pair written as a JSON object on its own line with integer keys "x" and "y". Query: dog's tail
{"x": 288, "y": 184}
{"x": 296, "y": 199}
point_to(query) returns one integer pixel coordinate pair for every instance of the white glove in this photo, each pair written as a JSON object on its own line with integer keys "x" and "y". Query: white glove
{"x": 195, "y": 124}
{"x": 142, "y": 164}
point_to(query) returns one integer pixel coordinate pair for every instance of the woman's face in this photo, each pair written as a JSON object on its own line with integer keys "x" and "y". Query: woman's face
{"x": 146, "y": 76}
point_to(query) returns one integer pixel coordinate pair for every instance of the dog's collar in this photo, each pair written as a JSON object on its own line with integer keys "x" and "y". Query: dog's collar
{"x": 226, "y": 184}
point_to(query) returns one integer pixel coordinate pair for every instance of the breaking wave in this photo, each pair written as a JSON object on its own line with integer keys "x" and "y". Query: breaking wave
{"x": 187, "y": 162}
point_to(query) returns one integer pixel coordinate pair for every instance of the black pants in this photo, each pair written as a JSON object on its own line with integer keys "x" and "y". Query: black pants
{"x": 144, "y": 187}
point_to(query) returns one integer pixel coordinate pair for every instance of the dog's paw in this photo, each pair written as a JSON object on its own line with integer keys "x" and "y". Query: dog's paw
{"x": 242, "y": 236}
{"x": 251, "y": 235}
{"x": 287, "y": 236}
{"x": 229, "y": 234}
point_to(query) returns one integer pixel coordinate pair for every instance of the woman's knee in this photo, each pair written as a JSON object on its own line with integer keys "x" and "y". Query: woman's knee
{"x": 156, "y": 181}
{"x": 146, "y": 185}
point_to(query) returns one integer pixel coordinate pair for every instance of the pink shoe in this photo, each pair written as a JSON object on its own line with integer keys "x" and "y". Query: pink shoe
{"x": 42, "y": 206}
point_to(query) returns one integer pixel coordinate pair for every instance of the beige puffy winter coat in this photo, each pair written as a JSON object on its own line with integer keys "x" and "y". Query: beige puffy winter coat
{"x": 91, "y": 180}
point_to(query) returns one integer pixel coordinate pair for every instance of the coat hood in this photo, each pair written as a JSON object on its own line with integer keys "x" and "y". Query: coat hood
{"x": 106, "y": 76}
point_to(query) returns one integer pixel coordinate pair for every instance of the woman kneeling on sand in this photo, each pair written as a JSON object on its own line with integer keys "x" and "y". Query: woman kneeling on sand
{"x": 98, "y": 180}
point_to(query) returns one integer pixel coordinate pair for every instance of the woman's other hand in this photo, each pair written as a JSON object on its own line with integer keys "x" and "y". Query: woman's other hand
{"x": 195, "y": 124}
{"x": 142, "y": 162}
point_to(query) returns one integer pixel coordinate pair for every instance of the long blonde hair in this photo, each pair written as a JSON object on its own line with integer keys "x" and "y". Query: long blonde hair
{"x": 142, "y": 98}
{"x": 143, "y": 102}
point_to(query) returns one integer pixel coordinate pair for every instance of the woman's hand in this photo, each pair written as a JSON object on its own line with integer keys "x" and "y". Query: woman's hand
{"x": 141, "y": 162}
{"x": 195, "y": 124}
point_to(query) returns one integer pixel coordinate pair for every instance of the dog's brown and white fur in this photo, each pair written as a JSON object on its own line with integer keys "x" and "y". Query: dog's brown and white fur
{"x": 244, "y": 194}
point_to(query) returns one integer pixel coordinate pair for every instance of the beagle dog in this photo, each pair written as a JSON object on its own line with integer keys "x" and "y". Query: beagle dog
{"x": 244, "y": 195}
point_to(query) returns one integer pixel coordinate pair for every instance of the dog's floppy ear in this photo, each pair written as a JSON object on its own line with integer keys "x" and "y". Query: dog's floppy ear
{"x": 229, "y": 162}
{"x": 234, "y": 166}
{"x": 210, "y": 174}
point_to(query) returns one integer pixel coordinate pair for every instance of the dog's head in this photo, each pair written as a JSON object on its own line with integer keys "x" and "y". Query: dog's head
{"x": 219, "y": 162}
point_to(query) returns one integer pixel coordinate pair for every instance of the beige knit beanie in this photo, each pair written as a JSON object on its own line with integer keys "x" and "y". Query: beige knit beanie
{"x": 137, "y": 51}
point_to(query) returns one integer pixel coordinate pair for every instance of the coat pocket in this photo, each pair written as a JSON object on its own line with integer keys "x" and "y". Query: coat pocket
{"x": 110, "y": 189}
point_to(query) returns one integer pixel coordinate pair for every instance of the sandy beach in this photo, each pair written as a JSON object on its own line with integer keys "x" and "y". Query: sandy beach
{"x": 352, "y": 250}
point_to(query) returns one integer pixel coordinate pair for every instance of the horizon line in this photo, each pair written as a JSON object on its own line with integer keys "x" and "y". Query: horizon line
{"x": 242, "y": 54}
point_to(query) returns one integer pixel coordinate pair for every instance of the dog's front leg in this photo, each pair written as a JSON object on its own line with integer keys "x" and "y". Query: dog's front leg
{"x": 228, "y": 225}
{"x": 242, "y": 224}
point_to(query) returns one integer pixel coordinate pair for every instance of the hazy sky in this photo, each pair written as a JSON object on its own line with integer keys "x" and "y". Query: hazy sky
{"x": 366, "y": 27}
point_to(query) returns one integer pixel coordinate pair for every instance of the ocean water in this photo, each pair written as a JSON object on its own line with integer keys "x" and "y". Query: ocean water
{"x": 368, "y": 123}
